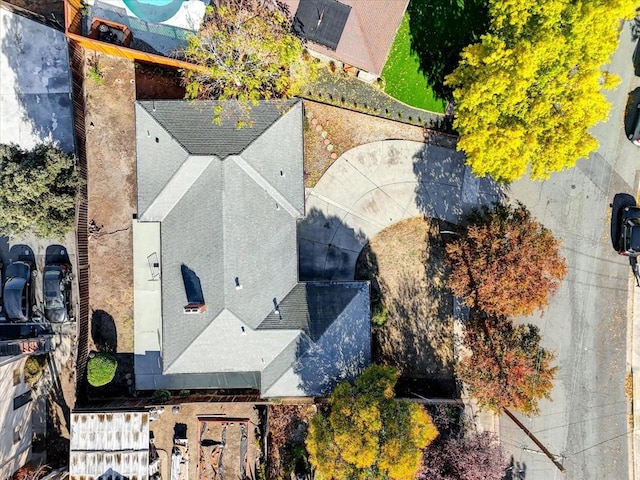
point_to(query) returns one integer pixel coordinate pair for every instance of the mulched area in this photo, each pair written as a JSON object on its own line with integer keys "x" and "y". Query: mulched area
{"x": 288, "y": 426}
{"x": 345, "y": 91}
{"x": 327, "y": 126}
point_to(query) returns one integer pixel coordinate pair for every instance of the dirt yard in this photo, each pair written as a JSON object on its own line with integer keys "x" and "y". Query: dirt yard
{"x": 209, "y": 429}
{"x": 111, "y": 157}
{"x": 405, "y": 264}
{"x": 111, "y": 184}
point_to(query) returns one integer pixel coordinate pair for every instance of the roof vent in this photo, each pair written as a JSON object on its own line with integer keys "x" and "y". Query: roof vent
{"x": 192, "y": 308}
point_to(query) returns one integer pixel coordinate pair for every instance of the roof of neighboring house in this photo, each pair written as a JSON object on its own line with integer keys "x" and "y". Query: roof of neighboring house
{"x": 368, "y": 33}
{"x": 35, "y": 84}
{"x": 109, "y": 443}
{"x": 16, "y": 410}
{"x": 227, "y": 201}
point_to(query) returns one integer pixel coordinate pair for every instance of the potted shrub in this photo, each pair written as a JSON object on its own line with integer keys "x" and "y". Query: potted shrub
{"x": 101, "y": 369}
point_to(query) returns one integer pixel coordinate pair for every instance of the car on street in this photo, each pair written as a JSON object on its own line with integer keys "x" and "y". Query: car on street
{"x": 17, "y": 292}
{"x": 56, "y": 285}
{"x": 625, "y": 225}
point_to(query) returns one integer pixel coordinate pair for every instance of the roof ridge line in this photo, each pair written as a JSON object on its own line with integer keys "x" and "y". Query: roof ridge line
{"x": 266, "y": 186}
{"x": 176, "y": 188}
{"x": 302, "y": 337}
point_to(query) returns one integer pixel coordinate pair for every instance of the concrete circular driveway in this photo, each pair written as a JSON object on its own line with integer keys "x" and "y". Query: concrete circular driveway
{"x": 376, "y": 185}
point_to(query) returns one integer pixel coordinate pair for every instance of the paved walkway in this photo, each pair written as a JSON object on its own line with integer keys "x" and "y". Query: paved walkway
{"x": 376, "y": 185}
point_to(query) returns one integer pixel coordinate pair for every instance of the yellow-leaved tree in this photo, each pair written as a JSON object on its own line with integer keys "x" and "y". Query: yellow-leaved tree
{"x": 367, "y": 434}
{"x": 528, "y": 93}
{"x": 246, "y": 51}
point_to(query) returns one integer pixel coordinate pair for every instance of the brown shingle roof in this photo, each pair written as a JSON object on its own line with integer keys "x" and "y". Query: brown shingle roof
{"x": 368, "y": 33}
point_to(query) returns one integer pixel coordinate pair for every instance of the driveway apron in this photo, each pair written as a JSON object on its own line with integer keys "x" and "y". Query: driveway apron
{"x": 375, "y": 185}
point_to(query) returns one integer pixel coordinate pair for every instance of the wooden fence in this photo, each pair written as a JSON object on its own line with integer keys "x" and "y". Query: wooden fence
{"x": 76, "y": 61}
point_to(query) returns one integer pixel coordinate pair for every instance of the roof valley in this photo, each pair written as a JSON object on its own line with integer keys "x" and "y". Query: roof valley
{"x": 266, "y": 186}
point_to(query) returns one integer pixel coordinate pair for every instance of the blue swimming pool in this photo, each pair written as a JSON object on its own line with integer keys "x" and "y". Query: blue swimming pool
{"x": 154, "y": 11}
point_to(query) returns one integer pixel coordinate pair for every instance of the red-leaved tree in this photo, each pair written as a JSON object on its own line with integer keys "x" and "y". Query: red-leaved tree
{"x": 476, "y": 456}
{"x": 505, "y": 366}
{"x": 505, "y": 262}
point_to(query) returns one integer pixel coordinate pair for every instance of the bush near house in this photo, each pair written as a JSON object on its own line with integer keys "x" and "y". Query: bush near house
{"x": 33, "y": 368}
{"x": 101, "y": 369}
{"x": 160, "y": 396}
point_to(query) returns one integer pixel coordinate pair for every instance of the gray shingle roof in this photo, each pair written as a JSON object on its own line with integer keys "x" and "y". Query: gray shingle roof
{"x": 341, "y": 349}
{"x": 228, "y": 201}
{"x": 191, "y": 124}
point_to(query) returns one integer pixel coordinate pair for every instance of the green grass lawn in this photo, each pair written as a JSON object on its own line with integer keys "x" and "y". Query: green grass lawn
{"x": 403, "y": 79}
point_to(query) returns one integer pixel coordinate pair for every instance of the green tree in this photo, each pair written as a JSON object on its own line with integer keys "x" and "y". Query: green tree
{"x": 506, "y": 366}
{"x": 101, "y": 369}
{"x": 367, "y": 434}
{"x": 505, "y": 262}
{"x": 528, "y": 93}
{"x": 38, "y": 190}
{"x": 246, "y": 51}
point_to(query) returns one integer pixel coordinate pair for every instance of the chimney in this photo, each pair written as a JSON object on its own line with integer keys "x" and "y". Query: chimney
{"x": 191, "y": 308}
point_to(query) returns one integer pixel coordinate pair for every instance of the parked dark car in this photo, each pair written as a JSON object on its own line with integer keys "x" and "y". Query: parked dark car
{"x": 625, "y": 225}
{"x": 56, "y": 285}
{"x": 17, "y": 292}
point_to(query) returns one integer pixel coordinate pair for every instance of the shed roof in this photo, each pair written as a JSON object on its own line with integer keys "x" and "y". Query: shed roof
{"x": 109, "y": 443}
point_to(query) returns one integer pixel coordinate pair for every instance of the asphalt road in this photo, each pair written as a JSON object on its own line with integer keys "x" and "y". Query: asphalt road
{"x": 585, "y": 424}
